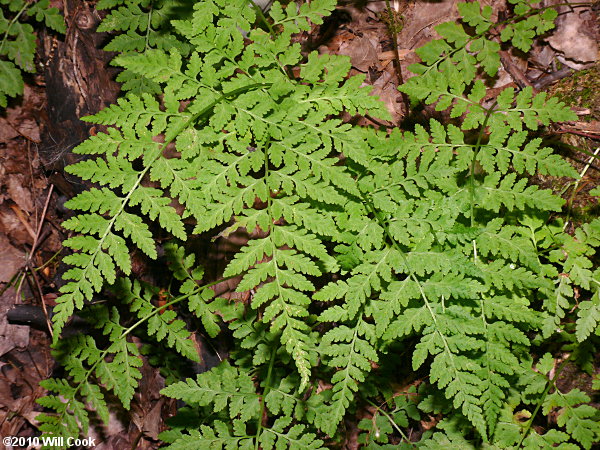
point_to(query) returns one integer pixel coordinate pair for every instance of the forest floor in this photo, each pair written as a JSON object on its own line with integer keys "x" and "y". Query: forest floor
{"x": 33, "y": 187}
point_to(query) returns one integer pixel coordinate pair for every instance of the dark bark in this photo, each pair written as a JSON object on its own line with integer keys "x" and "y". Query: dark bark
{"x": 79, "y": 82}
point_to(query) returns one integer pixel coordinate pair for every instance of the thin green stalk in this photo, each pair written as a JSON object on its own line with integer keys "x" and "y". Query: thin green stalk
{"x": 259, "y": 427}
{"x": 262, "y": 18}
{"x": 392, "y": 422}
{"x": 12, "y": 22}
{"x": 149, "y": 27}
{"x": 47, "y": 263}
{"x": 539, "y": 405}
{"x": 474, "y": 160}
{"x": 126, "y": 332}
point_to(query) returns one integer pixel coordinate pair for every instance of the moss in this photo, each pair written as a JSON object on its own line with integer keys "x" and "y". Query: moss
{"x": 580, "y": 89}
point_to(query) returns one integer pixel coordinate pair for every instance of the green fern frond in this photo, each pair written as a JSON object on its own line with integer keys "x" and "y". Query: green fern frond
{"x": 282, "y": 435}
{"x": 350, "y": 351}
{"x": 581, "y": 422}
{"x": 218, "y": 435}
{"x": 360, "y": 242}
{"x": 223, "y": 388}
{"x": 163, "y": 325}
{"x": 18, "y": 43}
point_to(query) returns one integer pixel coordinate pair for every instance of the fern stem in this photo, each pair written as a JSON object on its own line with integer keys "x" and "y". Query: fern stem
{"x": 12, "y": 22}
{"x": 262, "y": 18}
{"x": 149, "y": 27}
{"x": 393, "y": 32}
{"x": 259, "y": 426}
{"x": 543, "y": 397}
{"x": 126, "y": 332}
{"x": 392, "y": 422}
{"x": 474, "y": 160}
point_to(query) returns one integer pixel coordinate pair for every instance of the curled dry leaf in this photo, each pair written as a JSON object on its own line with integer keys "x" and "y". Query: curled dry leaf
{"x": 573, "y": 39}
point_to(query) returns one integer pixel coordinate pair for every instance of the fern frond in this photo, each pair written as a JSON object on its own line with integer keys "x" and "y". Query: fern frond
{"x": 529, "y": 110}
{"x": 502, "y": 151}
{"x": 350, "y": 351}
{"x": 284, "y": 399}
{"x": 581, "y": 422}
{"x": 243, "y": 132}
{"x": 295, "y": 437}
{"x": 224, "y": 388}
{"x": 218, "y": 435}
{"x": 160, "y": 323}
{"x": 496, "y": 192}
{"x": 588, "y": 317}
{"x": 18, "y": 43}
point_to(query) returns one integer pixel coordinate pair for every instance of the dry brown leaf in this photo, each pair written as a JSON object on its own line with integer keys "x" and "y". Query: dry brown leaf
{"x": 11, "y": 336}
{"x": 11, "y": 226}
{"x": 362, "y": 52}
{"x": 385, "y": 88}
{"x": 573, "y": 39}
{"x": 11, "y": 259}
{"x": 15, "y": 184}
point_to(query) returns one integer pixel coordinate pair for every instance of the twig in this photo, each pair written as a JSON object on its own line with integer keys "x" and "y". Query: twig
{"x": 515, "y": 72}
{"x": 41, "y": 294}
{"x": 41, "y": 222}
{"x": 27, "y": 266}
{"x": 546, "y": 81}
{"x": 23, "y": 221}
{"x": 581, "y": 175}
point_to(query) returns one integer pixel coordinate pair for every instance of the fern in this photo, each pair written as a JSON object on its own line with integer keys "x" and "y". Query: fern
{"x": 116, "y": 366}
{"x": 429, "y": 244}
{"x": 17, "y": 47}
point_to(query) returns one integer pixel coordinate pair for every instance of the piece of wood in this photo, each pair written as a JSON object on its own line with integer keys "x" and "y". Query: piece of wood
{"x": 79, "y": 82}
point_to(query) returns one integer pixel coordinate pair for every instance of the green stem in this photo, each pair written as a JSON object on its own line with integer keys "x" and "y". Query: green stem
{"x": 12, "y": 22}
{"x": 47, "y": 263}
{"x": 474, "y": 160}
{"x": 392, "y": 422}
{"x": 259, "y": 427}
{"x": 262, "y": 18}
{"x": 126, "y": 332}
{"x": 539, "y": 405}
{"x": 149, "y": 27}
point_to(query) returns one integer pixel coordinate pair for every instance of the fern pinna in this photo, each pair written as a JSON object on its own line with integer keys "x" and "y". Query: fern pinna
{"x": 426, "y": 246}
{"x": 17, "y": 45}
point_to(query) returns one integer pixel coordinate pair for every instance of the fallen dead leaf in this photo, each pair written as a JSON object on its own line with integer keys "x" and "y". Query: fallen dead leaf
{"x": 11, "y": 336}
{"x": 11, "y": 226}
{"x": 362, "y": 52}
{"x": 385, "y": 88}
{"x": 11, "y": 260}
{"x": 573, "y": 41}
{"x": 15, "y": 184}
